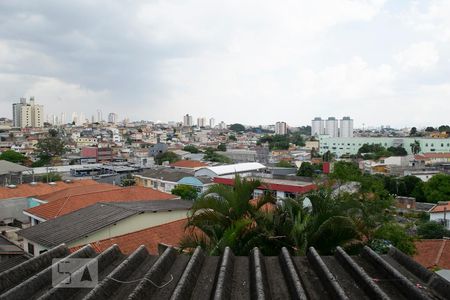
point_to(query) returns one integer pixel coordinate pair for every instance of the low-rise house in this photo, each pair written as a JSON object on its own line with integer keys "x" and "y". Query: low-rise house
{"x": 166, "y": 179}
{"x": 188, "y": 165}
{"x": 101, "y": 221}
{"x": 288, "y": 187}
{"x": 65, "y": 202}
{"x": 441, "y": 213}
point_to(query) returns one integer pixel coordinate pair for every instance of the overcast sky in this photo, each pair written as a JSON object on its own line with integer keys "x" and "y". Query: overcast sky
{"x": 253, "y": 62}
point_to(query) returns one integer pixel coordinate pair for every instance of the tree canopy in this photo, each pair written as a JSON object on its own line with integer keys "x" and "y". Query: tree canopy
{"x": 186, "y": 192}
{"x": 432, "y": 230}
{"x": 169, "y": 156}
{"x": 191, "y": 149}
{"x": 13, "y": 156}
{"x": 237, "y": 127}
{"x": 437, "y": 188}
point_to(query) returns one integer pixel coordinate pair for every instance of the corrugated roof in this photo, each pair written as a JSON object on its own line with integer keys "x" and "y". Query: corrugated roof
{"x": 7, "y": 167}
{"x": 176, "y": 276}
{"x": 82, "y": 222}
{"x": 235, "y": 168}
{"x": 64, "y": 205}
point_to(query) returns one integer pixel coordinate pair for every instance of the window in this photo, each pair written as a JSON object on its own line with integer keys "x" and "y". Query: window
{"x": 30, "y": 248}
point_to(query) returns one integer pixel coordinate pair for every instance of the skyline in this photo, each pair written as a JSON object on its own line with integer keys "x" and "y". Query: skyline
{"x": 380, "y": 62}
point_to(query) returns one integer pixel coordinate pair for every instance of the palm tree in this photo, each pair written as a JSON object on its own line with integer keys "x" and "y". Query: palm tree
{"x": 225, "y": 216}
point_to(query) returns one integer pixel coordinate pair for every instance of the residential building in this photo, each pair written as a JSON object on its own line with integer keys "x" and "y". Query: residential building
{"x": 222, "y": 125}
{"x": 187, "y": 121}
{"x": 350, "y": 146}
{"x": 346, "y": 127}
{"x": 101, "y": 221}
{"x": 28, "y": 114}
{"x": 331, "y": 127}
{"x": 317, "y": 126}
{"x": 201, "y": 122}
{"x": 212, "y": 123}
{"x": 188, "y": 165}
{"x": 441, "y": 213}
{"x": 166, "y": 179}
{"x": 113, "y": 118}
{"x": 280, "y": 128}
{"x": 287, "y": 187}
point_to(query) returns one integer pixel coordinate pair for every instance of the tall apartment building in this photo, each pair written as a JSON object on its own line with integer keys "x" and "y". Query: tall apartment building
{"x": 317, "y": 126}
{"x": 346, "y": 127}
{"x": 212, "y": 122}
{"x": 113, "y": 118}
{"x": 331, "y": 127}
{"x": 28, "y": 114}
{"x": 201, "y": 122}
{"x": 187, "y": 120}
{"x": 280, "y": 128}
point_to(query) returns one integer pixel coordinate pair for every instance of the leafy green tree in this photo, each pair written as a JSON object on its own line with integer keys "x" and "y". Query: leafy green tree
{"x": 222, "y": 147}
{"x": 397, "y": 236}
{"x": 432, "y": 230}
{"x": 166, "y": 156}
{"x": 186, "y": 192}
{"x": 297, "y": 139}
{"x": 344, "y": 171}
{"x": 191, "y": 149}
{"x": 397, "y": 151}
{"x": 276, "y": 142}
{"x": 213, "y": 156}
{"x": 413, "y": 131}
{"x": 237, "y": 127}
{"x": 50, "y": 147}
{"x": 415, "y": 147}
{"x": 430, "y": 129}
{"x": 232, "y": 137}
{"x": 437, "y": 188}
{"x": 283, "y": 164}
{"x": 444, "y": 128}
{"x": 306, "y": 169}
{"x": 13, "y": 156}
{"x": 127, "y": 180}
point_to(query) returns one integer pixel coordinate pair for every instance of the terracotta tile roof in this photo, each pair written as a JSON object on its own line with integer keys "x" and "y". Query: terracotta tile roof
{"x": 440, "y": 207}
{"x": 432, "y": 155}
{"x": 169, "y": 233}
{"x": 188, "y": 164}
{"x": 27, "y": 190}
{"x": 78, "y": 190}
{"x": 65, "y": 205}
{"x": 433, "y": 253}
{"x": 69, "y": 204}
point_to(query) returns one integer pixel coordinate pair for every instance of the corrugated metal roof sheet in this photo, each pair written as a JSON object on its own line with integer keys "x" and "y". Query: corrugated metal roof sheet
{"x": 175, "y": 276}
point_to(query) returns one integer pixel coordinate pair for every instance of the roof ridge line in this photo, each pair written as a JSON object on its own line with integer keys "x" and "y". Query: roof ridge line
{"x": 441, "y": 251}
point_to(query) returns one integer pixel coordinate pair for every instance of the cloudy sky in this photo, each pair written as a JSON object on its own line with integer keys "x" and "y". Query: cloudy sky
{"x": 253, "y": 62}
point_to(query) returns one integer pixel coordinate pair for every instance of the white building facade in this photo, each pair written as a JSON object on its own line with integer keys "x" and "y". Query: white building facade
{"x": 280, "y": 128}
{"x": 28, "y": 114}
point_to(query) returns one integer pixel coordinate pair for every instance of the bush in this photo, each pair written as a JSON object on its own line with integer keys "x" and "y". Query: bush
{"x": 432, "y": 230}
{"x": 51, "y": 177}
{"x": 397, "y": 236}
{"x": 186, "y": 192}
